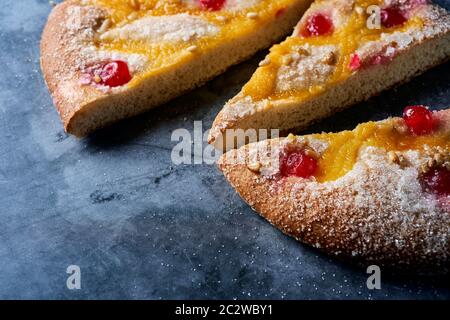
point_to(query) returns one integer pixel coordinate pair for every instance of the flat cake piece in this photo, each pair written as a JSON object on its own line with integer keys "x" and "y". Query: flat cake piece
{"x": 341, "y": 52}
{"x": 105, "y": 60}
{"x": 379, "y": 194}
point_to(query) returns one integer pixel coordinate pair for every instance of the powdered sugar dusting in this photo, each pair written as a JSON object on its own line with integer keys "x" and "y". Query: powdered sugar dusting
{"x": 174, "y": 28}
{"x": 310, "y": 65}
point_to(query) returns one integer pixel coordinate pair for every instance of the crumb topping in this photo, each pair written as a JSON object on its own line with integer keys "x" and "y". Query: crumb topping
{"x": 306, "y": 66}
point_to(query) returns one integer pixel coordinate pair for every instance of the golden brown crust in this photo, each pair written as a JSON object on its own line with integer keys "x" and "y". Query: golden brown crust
{"x": 85, "y": 108}
{"x": 375, "y": 214}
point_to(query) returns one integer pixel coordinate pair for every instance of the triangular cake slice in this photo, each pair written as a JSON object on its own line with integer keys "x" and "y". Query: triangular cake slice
{"x": 341, "y": 52}
{"x": 105, "y": 60}
{"x": 378, "y": 194}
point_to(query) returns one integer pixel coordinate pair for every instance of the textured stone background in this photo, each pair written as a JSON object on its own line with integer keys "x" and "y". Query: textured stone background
{"x": 139, "y": 227}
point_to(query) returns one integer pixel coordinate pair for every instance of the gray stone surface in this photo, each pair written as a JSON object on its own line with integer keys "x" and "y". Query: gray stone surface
{"x": 139, "y": 227}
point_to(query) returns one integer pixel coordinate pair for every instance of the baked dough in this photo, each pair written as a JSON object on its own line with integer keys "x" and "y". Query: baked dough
{"x": 366, "y": 204}
{"x": 169, "y": 46}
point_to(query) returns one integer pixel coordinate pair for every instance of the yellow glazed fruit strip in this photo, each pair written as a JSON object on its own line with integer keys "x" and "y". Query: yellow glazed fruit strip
{"x": 348, "y": 38}
{"x": 343, "y": 147}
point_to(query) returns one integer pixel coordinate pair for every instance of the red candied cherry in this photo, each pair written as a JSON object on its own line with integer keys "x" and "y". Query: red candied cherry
{"x": 112, "y": 74}
{"x": 418, "y": 119}
{"x": 355, "y": 62}
{"x": 317, "y": 25}
{"x": 280, "y": 12}
{"x": 298, "y": 163}
{"x": 391, "y": 17}
{"x": 437, "y": 181}
{"x": 212, "y": 5}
